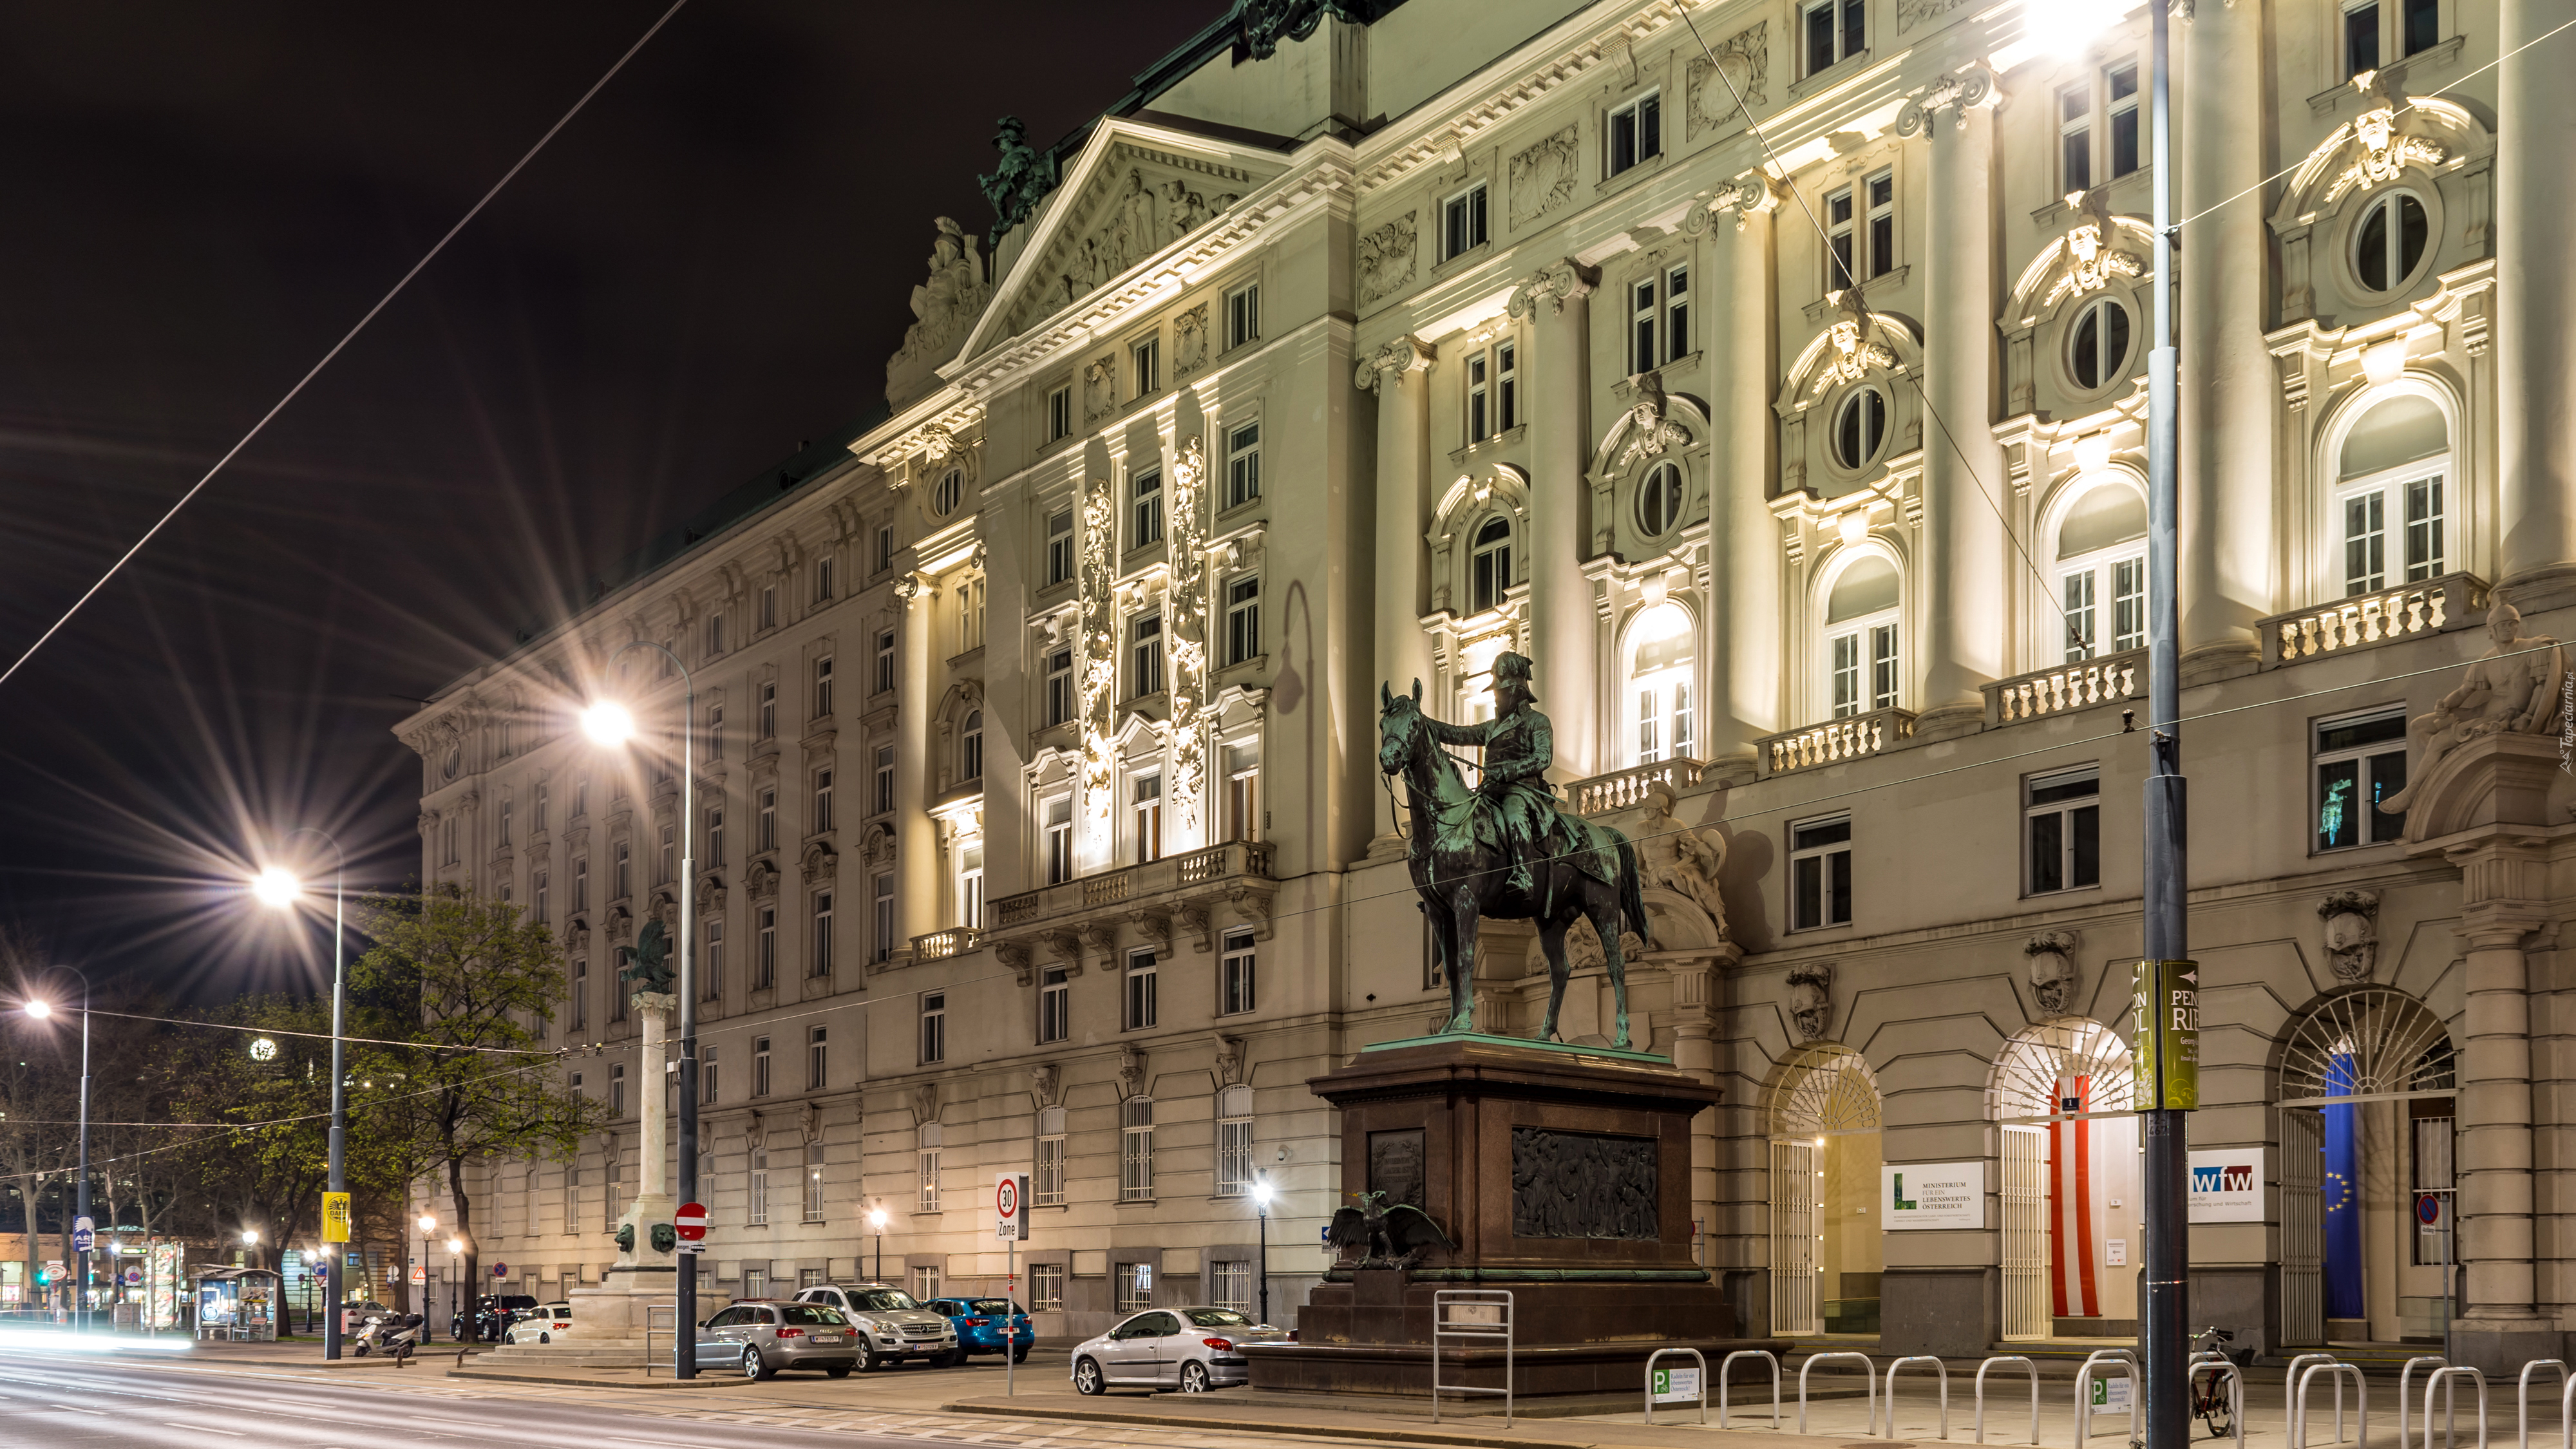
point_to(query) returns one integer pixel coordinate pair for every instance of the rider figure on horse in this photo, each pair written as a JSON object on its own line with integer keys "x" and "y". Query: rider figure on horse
{"x": 1519, "y": 747}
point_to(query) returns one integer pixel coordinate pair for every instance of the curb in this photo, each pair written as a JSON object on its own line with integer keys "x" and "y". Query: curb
{"x": 1373, "y": 1432}
{"x": 561, "y": 1381}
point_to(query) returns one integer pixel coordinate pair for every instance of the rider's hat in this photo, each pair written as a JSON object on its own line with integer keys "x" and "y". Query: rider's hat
{"x": 1514, "y": 669}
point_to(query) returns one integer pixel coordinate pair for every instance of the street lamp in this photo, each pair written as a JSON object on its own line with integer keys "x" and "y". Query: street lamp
{"x": 428, "y": 1225}
{"x": 280, "y": 889}
{"x": 1261, "y": 1195}
{"x": 611, "y": 723}
{"x": 455, "y": 1271}
{"x": 38, "y": 1008}
{"x": 877, "y": 1221}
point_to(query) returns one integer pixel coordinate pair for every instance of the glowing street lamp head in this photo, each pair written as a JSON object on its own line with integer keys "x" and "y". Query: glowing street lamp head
{"x": 428, "y": 1224}
{"x": 250, "y": 1237}
{"x": 608, "y": 722}
{"x": 39, "y": 1008}
{"x": 2063, "y": 28}
{"x": 877, "y": 1219}
{"x": 277, "y": 886}
{"x": 1262, "y": 1192}
{"x": 456, "y": 1245}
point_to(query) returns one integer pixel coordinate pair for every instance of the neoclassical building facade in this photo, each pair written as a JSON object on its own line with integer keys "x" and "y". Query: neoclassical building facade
{"x": 1774, "y": 374}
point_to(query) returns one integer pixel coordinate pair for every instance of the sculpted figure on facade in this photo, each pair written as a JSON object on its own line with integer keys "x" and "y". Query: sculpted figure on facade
{"x": 1674, "y": 857}
{"x": 1543, "y": 177}
{"x": 1386, "y": 259}
{"x": 1184, "y": 210}
{"x": 943, "y": 308}
{"x": 2513, "y": 688}
{"x": 1190, "y": 341}
{"x": 2051, "y": 955}
{"x": 1811, "y": 999}
{"x": 1020, "y": 179}
{"x": 2352, "y": 933}
{"x": 1131, "y": 227}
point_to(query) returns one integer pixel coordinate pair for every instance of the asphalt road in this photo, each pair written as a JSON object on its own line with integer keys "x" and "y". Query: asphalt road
{"x": 55, "y": 1401}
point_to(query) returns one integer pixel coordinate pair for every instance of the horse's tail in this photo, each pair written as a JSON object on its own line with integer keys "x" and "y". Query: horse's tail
{"x": 1632, "y": 896}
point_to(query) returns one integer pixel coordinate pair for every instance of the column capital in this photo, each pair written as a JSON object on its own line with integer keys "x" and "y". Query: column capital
{"x": 1755, "y": 193}
{"x": 910, "y": 588}
{"x": 1566, "y": 281}
{"x": 1959, "y": 92}
{"x": 1407, "y": 353}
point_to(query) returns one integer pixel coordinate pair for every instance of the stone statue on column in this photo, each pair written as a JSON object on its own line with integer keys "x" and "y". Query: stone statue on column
{"x": 2513, "y": 688}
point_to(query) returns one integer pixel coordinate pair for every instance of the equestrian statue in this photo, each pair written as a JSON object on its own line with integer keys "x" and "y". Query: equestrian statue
{"x": 1505, "y": 848}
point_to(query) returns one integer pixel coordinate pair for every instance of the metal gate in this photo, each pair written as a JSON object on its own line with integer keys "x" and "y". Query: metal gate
{"x": 1795, "y": 1266}
{"x": 2026, "y": 1311}
{"x": 2303, "y": 1228}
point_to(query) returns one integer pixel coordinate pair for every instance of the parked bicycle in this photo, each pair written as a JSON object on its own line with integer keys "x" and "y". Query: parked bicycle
{"x": 2209, "y": 1400}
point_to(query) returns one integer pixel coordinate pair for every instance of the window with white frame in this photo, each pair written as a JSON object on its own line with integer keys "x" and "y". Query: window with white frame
{"x": 1136, "y": 1149}
{"x": 1243, "y": 791}
{"x": 1493, "y": 391}
{"x": 970, "y": 593}
{"x": 1139, "y": 990}
{"x": 715, "y": 731}
{"x": 1056, "y": 817}
{"x": 1861, "y": 637}
{"x": 756, "y": 1187}
{"x": 1145, "y": 512}
{"x": 1835, "y": 31}
{"x": 1060, "y": 413}
{"x": 2075, "y": 138}
{"x": 885, "y": 547}
{"x": 883, "y": 924}
{"x": 2097, "y": 346}
{"x": 1145, "y": 656}
{"x": 970, "y": 886}
{"x": 1230, "y": 1284}
{"x": 1490, "y": 572}
{"x": 711, "y": 976}
{"x": 814, "y": 1183}
{"x": 709, "y": 1088}
{"x": 537, "y": 897}
{"x": 1059, "y": 685}
{"x": 1055, "y": 1005}
{"x": 768, "y": 709}
{"x": 768, "y": 607}
{"x": 822, "y": 937}
{"x": 1636, "y": 132}
{"x": 1659, "y": 500}
{"x": 925, "y": 1281}
{"x": 934, "y": 1027}
{"x": 2390, "y": 240}
{"x": 1820, "y": 873}
{"x": 1237, "y": 981}
{"x": 1462, "y": 222}
{"x": 884, "y": 803}
{"x": 1133, "y": 1287}
{"x": 1661, "y": 663}
{"x": 1659, "y": 319}
{"x": 507, "y": 802}
{"x": 926, "y": 1169}
{"x": 617, "y": 1091}
{"x": 1234, "y": 1141}
{"x": 764, "y": 954}
{"x": 2360, "y": 761}
{"x": 1242, "y": 464}
{"x": 580, "y": 994}
{"x": 715, "y": 836}
{"x": 1243, "y": 619}
{"x": 2390, "y": 494}
{"x": 1059, "y": 547}
{"x": 1145, "y": 801}
{"x": 823, "y": 687}
{"x": 1860, "y": 428}
{"x": 537, "y": 815}
{"x": 970, "y": 748}
{"x": 1046, "y": 1287}
{"x": 760, "y": 1066}
{"x": 2377, "y": 31}
{"x": 2097, "y": 129}
{"x": 2062, "y": 830}
{"x": 1243, "y": 315}
{"x": 885, "y": 662}
{"x": 2102, "y": 572}
{"x": 764, "y": 819}
{"x": 1148, "y": 373}
{"x": 1046, "y": 1183}
{"x": 1878, "y": 193}
{"x": 822, "y": 801}
{"x": 823, "y": 579}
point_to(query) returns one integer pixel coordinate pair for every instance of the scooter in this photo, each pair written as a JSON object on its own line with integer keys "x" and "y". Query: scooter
{"x": 371, "y": 1333}
{"x": 402, "y": 1336}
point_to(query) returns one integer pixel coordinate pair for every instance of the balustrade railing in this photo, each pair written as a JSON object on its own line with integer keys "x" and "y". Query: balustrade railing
{"x": 940, "y": 945}
{"x": 1835, "y": 741}
{"x": 1622, "y": 789}
{"x": 1136, "y": 882}
{"x": 2066, "y": 687}
{"x": 2427, "y": 606}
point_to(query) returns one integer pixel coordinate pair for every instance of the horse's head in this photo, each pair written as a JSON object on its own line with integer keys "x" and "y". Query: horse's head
{"x": 1399, "y": 726}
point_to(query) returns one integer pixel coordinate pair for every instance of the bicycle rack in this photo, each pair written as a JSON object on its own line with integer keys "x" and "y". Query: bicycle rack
{"x": 2033, "y": 1370}
{"x": 1937, "y": 1367}
{"x": 1489, "y": 1316}
{"x": 2336, "y": 1371}
{"x": 2450, "y": 1415}
{"x": 2101, "y": 1357}
{"x": 2404, "y": 1434}
{"x": 2522, "y": 1397}
{"x": 2290, "y": 1393}
{"x": 2566, "y": 1417}
{"x": 2221, "y": 1363}
{"x": 1650, "y": 1380}
{"x": 1869, "y": 1381}
{"x": 1772, "y": 1359}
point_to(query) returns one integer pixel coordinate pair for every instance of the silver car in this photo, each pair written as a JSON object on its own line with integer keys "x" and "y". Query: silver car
{"x": 891, "y": 1326}
{"x": 1191, "y": 1349}
{"x": 764, "y": 1336}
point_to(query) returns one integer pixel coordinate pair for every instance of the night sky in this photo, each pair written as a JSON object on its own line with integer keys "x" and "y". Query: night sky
{"x": 709, "y": 266}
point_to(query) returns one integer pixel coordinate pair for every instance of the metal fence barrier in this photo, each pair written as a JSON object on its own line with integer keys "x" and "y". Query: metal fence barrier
{"x": 2219, "y": 1363}
{"x": 1489, "y": 1317}
{"x": 2404, "y": 1376}
{"x": 2444, "y": 1377}
{"x": 1938, "y": 1367}
{"x": 1772, "y": 1359}
{"x": 2522, "y": 1398}
{"x": 1650, "y": 1380}
{"x": 2127, "y": 1363}
{"x": 2033, "y": 1370}
{"x": 2336, "y": 1371}
{"x": 1869, "y": 1381}
{"x": 661, "y": 1321}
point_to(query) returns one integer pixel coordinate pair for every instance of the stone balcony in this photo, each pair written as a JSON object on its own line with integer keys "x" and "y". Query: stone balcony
{"x": 2415, "y": 610}
{"x": 940, "y": 945}
{"x": 1834, "y": 742}
{"x": 1176, "y": 895}
{"x": 1622, "y": 789}
{"x": 2066, "y": 688}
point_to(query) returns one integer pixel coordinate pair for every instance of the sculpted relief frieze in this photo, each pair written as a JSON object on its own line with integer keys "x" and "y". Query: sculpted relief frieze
{"x": 1386, "y": 259}
{"x": 1132, "y": 212}
{"x": 1911, "y": 13}
{"x": 1543, "y": 177}
{"x": 1742, "y": 67}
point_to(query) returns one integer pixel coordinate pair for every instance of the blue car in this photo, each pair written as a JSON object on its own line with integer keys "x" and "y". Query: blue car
{"x": 979, "y": 1321}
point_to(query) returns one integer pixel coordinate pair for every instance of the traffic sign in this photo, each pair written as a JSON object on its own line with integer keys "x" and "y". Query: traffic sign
{"x": 133, "y": 1277}
{"x": 419, "y": 1273}
{"x": 500, "y": 1270}
{"x": 1010, "y": 1206}
{"x": 84, "y": 1235}
{"x": 2428, "y": 1209}
{"x": 690, "y": 1222}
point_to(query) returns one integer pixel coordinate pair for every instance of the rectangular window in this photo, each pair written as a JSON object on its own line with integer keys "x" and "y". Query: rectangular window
{"x": 1145, "y": 657}
{"x": 885, "y": 547}
{"x": 708, "y": 1093}
{"x": 2429, "y": 1125}
{"x": 1636, "y": 132}
{"x": 581, "y": 885}
{"x": 1233, "y": 1156}
{"x": 814, "y": 1194}
{"x": 1235, "y": 975}
{"x": 1242, "y": 620}
{"x": 1059, "y": 686}
{"x": 2360, "y": 38}
{"x": 2062, "y": 830}
{"x": 624, "y": 873}
{"x": 823, "y": 579}
{"x": 822, "y": 801}
{"x": 756, "y": 1186}
{"x": 2360, "y": 761}
{"x": 760, "y": 1066}
{"x": 2416, "y": 507}
{"x": 1230, "y": 1285}
{"x": 1677, "y": 332}
{"x": 617, "y": 1091}
{"x": 823, "y": 687}
{"x": 1059, "y": 840}
{"x": 447, "y": 840}
{"x": 925, "y": 1167}
{"x": 1055, "y": 1006}
{"x": 1146, "y": 526}
{"x": 1881, "y": 191}
{"x": 768, "y": 608}
{"x": 1242, "y": 464}
{"x": 1060, "y": 413}
{"x": 755, "y": 1281}
{"x": 764, "y": 820}
{"x": 537, "y": 819}
{"x": 1140, "y": 990}
{"x": 666, "y": 868}
{"x": 580, "y": 994}
{"x": 1479, "y": 399}
{"x": 1046, "y": 1286}
{"x": 1146, "y": 797}
{"x": 885, "y": 779}
{"x": 2122, "y": 84}
{"x": 2075, "y": 139}
{"x": 1836, "y": 30}
{"x": 1059, "y": 554}
{"x": 925, "y": 1281}
{"x": 537, "y": 897}
{"x": 970, "y": 887}
{"x": 822, "y": 934}
{"x": 2076, "y": 595}
{"x": 883, "y": 924}
{"x": 715, "y": 732}
{"x": 1136, "y": 1149}
{"x": 1838, "y": 239}
{"x": 1134, "y": 1290}
{"x": 764, "y": 952}
{"x": 817, "y": 1050}
{"x": 1046, "y": 1184}
{"x": 1149, "y": 366}
{"x": 1462, "y": 222}
{"x": 934, "y": 1027}
{"x": 581, "y": 798}
{"x": 1864, "y": 669}
{"x": 1820, "y": 874}
{"x": 715, "y": 836}
{"x": 1882, "y": 666}
{"x": 506, "y": 804}
{"x": 711, "y": 977}
{"x": 885, "y": 662}
{"x": 769, "y": 709}
{"x": 1243, "y": 315}
{"x": 1643, "y": 312}
{"x": 2423, "y": 25}
{"x": 1243, "y": 791}
{"x": 1507, "y": 399}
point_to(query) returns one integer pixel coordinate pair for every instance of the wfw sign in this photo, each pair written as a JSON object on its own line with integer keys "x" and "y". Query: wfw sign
{"x": 2227, "y": 1185}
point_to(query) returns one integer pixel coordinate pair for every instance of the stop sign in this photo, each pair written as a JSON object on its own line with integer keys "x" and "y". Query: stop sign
{"x": 691, "y": 1221}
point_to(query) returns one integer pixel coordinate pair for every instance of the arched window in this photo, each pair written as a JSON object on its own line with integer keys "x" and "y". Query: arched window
{"x": 1659, "y": 683}
{"x": 951, "y": 490}
{"x": 1659, "y": 500}
{"x": 2389, "y": 493}
{"x": 2097, "y": 349}
{"x": 1493, "y": 564}
{"x": 2390, "y": 241}
{"x": 970, "y": 748}
{"x": 1860, "y": 428}
{"x": 2102, "y": 571}
{"x": 1861, "y": 636}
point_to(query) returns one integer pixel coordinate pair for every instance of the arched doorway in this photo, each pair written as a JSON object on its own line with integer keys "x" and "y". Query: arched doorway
{"x": 2061, "y": 1092}
{"x": 1826, "y": 1256}
{"x": 2368, "y": 1081}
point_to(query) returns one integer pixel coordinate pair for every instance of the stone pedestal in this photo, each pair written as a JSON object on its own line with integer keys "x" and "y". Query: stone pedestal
{"x": 1562, "y": 1174}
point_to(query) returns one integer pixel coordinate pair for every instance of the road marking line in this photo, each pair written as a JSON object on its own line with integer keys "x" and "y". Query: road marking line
{"x": 77, "y": 1409}
{"x": 204, "y": 1429}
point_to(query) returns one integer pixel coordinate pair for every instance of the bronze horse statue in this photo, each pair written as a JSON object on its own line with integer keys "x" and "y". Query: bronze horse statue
{"x": 1463, "y": 870}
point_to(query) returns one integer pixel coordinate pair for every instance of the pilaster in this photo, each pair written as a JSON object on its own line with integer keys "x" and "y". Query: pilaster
{"x": 1564, "y": 630}
{"x": 1746, "y": 673}
{"x": 1399, "y": 373}
{"x": 2535, "y": 116}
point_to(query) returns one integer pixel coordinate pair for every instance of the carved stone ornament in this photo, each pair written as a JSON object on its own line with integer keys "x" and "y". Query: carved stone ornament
{"x": 1584, "y": 1185}
{"x": 1811, "y": 999}
{"x": 1959, "y": 92}
{"x": 1544, "y": 176}
{"x": 1405, "y": 354}
{"x": 943, "y": 309}
{"x": 2092, "y": 260}
{"x": 1386, "y": 259}
{"x": 1099, "y": 938}
{"x": 925, "y": 1104}
{"x": 1194, "y": 920}
{"x": 1741, "y": 68}
{"x": 1672, "y": 856}
{"x": 1651, "y": 434}
{"x": 1154, "y": 926}
{"x": 821, "y": 864}
{"x": 1046, "y": 1083}
{"x": 1131, "y": 1070}
{"x": 1229, "y": 1061}
{"x": 1065, "y": 949}
{"x": 2381, "y": 153}
{"x": 1015, "y": 955}
{"x": 2352, "y": 933}
{"x": 1748, "y": 196}
{"x": 763, "y": 879}
{"x": 1099, "y": 388}
{"x": 1252, "y": 905}
{"x": 1911, "y": 13}
{"x": 1190, "y": 341}
{"x": 1567, "y": 281}
{"x": 2513, "y": 688}
{"x": 876, "y": 845}
{"x": 2051, "y": 955}
{"x": 1265, "y": 23}
{"x": 1854, "y": 356}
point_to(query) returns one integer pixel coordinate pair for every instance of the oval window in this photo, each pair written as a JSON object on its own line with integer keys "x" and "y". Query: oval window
{"x": 2099, "y": 347}
{"x": 1659, "y": 500}
{"x": 1860, "y": 427}
{"x": 2389, "y": 244}
{"x": 451, "y": 763}
{"x": 951, "y": 489}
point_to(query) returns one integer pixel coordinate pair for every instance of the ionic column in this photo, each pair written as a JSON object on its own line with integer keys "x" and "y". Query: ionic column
{"x": 1564, "y": 627}
{"x": 1399, "y": 373}
{"x": 2229, "y": 387}
{"x": 917, "y": 875}
{"x": 1745, "y": 674}
{"x": 2535, "y": 120}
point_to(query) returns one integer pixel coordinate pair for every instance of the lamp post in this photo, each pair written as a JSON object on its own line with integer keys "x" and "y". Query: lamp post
{"x": 428, "y": 1225}
{"x": 455, "y": 1271}
{"x": 611, "y": 723}
{"x": 877, "y": 1222}
{"x": 39, "y": 1009}
{"x": 280, "y": 888}
{"x": 1261, "y": 1194}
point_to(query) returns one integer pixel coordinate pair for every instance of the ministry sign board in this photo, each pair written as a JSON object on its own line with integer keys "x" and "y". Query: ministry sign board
{"x": 1933, "y": 1195}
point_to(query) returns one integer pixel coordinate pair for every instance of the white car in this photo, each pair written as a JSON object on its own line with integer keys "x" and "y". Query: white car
{"x": 542, "y": 1324}
{"x": 1192, "y": 1349}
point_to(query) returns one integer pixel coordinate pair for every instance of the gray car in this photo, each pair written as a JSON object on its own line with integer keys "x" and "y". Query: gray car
{"x": 763, "y": 1337}
{"x": 1192, "y": 1349}
{"x": 892, "y": 1327}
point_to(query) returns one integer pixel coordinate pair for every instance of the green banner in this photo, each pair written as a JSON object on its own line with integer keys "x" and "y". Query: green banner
{"x": 2167, "y": 1006}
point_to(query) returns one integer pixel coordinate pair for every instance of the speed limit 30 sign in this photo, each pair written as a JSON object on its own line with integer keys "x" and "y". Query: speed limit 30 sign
{"x": 1010, "y": 1206}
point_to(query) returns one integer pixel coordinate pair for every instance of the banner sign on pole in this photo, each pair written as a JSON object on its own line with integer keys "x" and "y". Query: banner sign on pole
{"x": 335, "y": 1217}
{"x": 84, "y": 1235}
{"x": 2167, "y": 1007}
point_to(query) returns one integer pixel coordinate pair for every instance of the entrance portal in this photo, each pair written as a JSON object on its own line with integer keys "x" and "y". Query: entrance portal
{"x": 2061, "y": 1092}
{"x": 1826, "y": 1255}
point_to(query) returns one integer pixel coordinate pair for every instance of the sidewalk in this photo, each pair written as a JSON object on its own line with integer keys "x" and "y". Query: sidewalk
{"x": 1374, "y": 1419}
